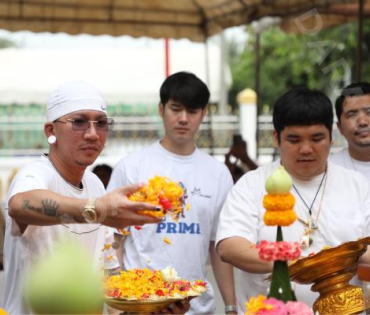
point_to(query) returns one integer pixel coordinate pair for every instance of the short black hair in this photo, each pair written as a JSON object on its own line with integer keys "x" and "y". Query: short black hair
{"x": 302, "y": 107}
{"x": 103, "y": 167}
{"x": 185, "y": 88}
{"x": 354, "y": 89}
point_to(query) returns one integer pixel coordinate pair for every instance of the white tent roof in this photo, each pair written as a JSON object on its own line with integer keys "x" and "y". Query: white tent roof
{"x": 132, "y": 75}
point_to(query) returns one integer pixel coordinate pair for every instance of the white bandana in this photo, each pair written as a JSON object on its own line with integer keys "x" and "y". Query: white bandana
{"x": 74, "y": 96}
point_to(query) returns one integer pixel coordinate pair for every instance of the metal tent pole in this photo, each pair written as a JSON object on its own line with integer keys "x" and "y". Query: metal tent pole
{"x": 360, "y": 39}
{"x": 210, "y": 131}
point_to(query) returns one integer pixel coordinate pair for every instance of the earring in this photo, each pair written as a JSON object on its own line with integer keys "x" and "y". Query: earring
{"x": 52, "y": 139}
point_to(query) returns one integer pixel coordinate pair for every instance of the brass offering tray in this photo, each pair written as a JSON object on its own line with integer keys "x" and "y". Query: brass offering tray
{"x": 330, "y": 271}
{"x": 139, "y": 307}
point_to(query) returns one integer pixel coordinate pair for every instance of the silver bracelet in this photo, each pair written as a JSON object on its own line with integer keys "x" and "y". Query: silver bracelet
{"x": 231, "y": 308}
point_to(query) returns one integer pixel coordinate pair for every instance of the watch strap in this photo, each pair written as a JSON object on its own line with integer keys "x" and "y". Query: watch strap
{"x": 231, "y": 308}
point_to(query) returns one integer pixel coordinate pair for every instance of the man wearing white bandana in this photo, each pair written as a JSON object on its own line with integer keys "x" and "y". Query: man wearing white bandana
{"x": 353, "y": 112}
{"x": 333, "y": 203}
{"x": 55, "y": 199}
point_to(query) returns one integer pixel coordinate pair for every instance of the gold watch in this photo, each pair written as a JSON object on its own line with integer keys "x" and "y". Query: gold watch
{"x": 89, "y": 213}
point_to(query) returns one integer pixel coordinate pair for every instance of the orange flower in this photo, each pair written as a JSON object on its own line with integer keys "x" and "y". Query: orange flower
{"x": 124, "y": 232}
{"x": 106, "y": 247}
{"x": 163, "y": 192}
{"x": 282, "y": 218}
{"x": 278, "y": 202}
{"x": 166, "y": 240}
{"x": 255, "y": 304}
{"x": 144, "y": 284}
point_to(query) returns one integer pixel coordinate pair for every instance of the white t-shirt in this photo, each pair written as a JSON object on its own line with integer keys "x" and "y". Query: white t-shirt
{"x": 22, "y": 249}
{"x": 343, "y": 158}
{"x": 344, "y": 216}
{"x": 207, "y": 182}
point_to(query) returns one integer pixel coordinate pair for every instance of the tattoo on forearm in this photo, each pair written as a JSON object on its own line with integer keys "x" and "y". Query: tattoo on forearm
{"x": 48, "y": 207}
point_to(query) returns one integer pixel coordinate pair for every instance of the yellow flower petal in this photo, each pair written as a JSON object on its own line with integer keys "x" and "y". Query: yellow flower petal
{"x": 166, "y": 240}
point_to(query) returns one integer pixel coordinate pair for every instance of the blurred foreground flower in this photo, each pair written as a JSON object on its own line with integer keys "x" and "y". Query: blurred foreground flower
{"x": 262, "y": 306}
{"x": 64, "y": 282}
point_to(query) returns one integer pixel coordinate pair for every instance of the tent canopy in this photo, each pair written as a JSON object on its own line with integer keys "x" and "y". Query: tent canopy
{"x": 192, "y": 19}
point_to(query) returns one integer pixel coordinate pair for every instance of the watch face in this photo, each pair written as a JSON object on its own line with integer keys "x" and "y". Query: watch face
{"x": 89, "y": 215}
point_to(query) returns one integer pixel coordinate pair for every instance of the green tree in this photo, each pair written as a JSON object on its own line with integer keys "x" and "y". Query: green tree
{"x": 287, "y": 60}
{"x": 5, "y": 43}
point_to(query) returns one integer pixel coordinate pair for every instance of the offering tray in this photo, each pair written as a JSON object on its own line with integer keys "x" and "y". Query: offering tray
{"x": 330, "y": 271}
{"x": 139, "y": 306}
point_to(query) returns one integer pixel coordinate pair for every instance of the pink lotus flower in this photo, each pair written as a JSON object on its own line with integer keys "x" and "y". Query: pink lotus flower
{"x": 271, "y": 251}
{"x": 278, "y": 307}
{"x": 262, "y": 306}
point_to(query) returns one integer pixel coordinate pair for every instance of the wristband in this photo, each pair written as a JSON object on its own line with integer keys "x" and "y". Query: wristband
{"x": 231, "y": 308}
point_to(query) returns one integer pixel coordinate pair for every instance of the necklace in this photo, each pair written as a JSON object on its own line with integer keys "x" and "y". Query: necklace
{"x": 81, "y": 233}
{"x": 314, "y": 199}
{"x": 75, "y": 187}
{"x": 311, "y": 225}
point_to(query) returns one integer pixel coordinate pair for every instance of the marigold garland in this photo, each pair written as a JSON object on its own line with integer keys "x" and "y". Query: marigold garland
{"x": 281, "y": 218}
{"x": 163, "y": 191}
{"x": 145, "y": 284}
{"x": 278, "y": 202}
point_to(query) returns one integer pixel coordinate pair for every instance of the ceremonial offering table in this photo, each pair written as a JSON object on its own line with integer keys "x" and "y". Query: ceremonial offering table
{"x": 330, "y": 271}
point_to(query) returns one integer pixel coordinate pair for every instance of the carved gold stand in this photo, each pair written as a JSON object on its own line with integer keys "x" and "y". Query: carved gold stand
{"x": 331, "y": 270}
{"x": 337, "y": 296}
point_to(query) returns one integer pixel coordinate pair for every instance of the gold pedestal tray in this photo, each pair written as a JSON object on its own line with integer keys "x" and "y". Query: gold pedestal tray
{"x": 139, "y": 307}
{"x": 330, "y": 271}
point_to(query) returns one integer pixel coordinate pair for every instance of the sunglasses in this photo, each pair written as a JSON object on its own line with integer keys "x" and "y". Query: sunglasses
{"x": 102, "y": 125}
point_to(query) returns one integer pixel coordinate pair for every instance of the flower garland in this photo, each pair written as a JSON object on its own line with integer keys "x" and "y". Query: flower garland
{"x": 279, "y": 209}
{"x": 279, "y": 203}
{"x": 283, "y": 251}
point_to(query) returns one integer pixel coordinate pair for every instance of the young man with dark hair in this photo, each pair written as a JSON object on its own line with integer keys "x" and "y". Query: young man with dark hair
{"x": 353, "y": 112}
{"x": 104, "y": 172}
{"x": 332, "y": 203}
{"x": 183, "y": 106}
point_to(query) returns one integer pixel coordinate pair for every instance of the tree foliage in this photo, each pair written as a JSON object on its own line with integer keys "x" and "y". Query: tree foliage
{"x": 6, "y": 43}
{"x": 324, "y": 61}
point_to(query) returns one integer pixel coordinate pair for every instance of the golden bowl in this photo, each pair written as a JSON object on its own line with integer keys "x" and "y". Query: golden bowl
{"x": 330, "y": 271}
{"x": 137, "y": 307}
